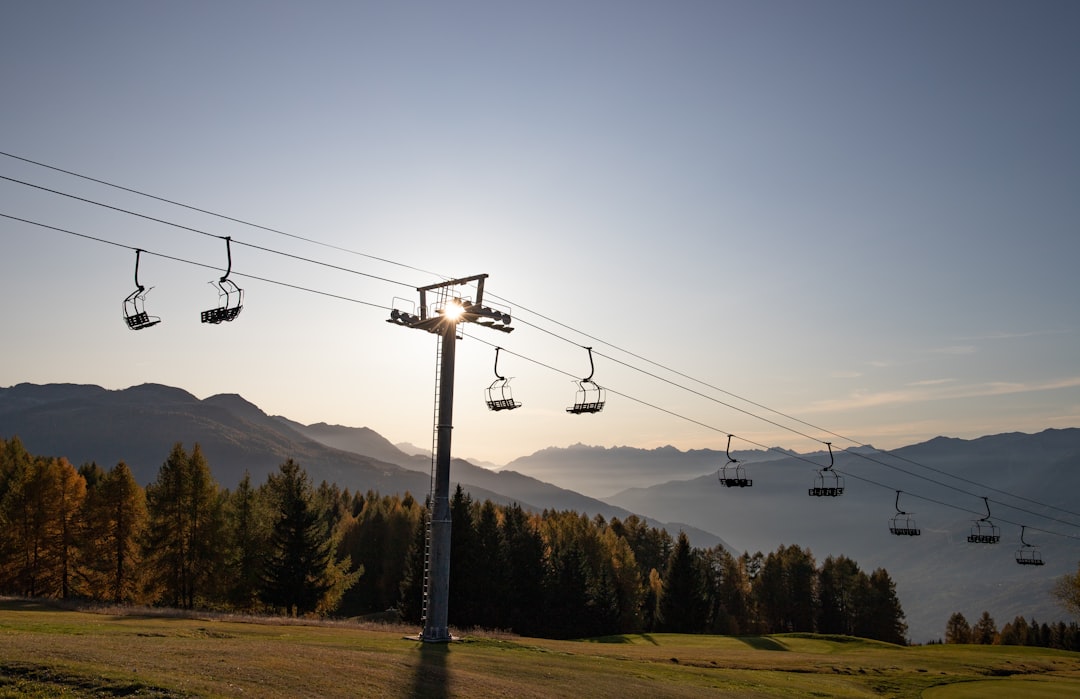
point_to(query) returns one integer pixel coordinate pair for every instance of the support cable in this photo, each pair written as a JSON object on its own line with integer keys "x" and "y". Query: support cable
{"x": 197, "y": 264}
{"x": 616, "y": 347}
{"x": 202, "y": 232}
{"x": 216, "y": 215}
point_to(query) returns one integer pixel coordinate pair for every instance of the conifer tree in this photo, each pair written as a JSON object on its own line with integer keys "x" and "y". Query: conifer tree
{"x": 682, "y": 606}
{"x": 184, "y": 527}
{"x": 985, "y": 630}
{"x": 957, "y": 629}
{"x": 115, "y": 519}
{"x": 247, "y": 533}
{"x": 299, "y": 565}
{"x": 881, "y": 616}
{"x": 522, "y": 559}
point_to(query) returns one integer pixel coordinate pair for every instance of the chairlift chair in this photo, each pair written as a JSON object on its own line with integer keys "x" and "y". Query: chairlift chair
{"x": 499, "y": 396}
{"x": 230, "y": 296}
{"x": 135, "y": 314}
{"x": 1028, "y": 554}
{"x": 902, "y": 524}
{"x": 590, "y": 397}
{"x": 830, "y": 485}
{"x": 732, "y": 474}
{"x": 984, "y": 531}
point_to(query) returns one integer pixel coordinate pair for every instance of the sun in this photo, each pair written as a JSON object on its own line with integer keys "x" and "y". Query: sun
{"x": 453, "y": 309}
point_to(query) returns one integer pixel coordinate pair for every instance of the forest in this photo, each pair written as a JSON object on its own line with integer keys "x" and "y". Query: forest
{"x": 290, "y": 547}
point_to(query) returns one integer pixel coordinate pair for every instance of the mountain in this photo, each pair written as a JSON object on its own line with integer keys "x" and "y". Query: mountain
{"x": 511, "y": 485}
{"x": 943, "y": 481}
{"x": 140, "y": 424}
{"x": 938, "y": 572}
{"x": 600, "y": 471}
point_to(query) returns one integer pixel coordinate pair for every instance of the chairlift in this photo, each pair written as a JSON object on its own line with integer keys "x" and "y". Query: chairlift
{"x": 732, "y": 474}
{"x": 499, "y": 396}
{"x": 828, "y": 483}
{"x": 902, "y": 524}
{"x": 135, "y": 304}
{"x": 230, "y": 296}
{"x": 1028, "y": 554}
{"x": 984, "y": 531}
{"x": 590, "y": 397}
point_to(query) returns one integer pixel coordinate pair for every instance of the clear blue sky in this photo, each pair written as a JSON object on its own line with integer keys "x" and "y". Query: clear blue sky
{"x": 864, "y": 215}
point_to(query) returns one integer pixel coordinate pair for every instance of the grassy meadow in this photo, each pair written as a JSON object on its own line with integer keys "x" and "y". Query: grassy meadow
{"x": 51, "y": 651}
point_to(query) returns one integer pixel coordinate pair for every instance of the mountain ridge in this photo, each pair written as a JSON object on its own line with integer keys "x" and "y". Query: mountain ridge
{"x": 139, "y": 425}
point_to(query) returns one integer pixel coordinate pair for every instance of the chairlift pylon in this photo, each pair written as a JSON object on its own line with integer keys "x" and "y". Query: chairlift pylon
{"x": 1028, "y": 554}
{"x": 230, "y": 296}
{"x": 902, "y": 524}
{"x": 984, "y": 530}
{"x": 732, "y": 474}
{"x": 828, "y": 486}
{"x": 499, "y": 396}
{"x": 135, "y": 304}
{"x": 590, "y": 397}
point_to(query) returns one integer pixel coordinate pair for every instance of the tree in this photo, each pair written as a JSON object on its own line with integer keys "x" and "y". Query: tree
{"x": 115, "y": 517}
{"x": 467, "y": 577}
{"x": 247, "y": 525}
{"x": 881, "y": 616}
{"x": 985, "y": 630}
{"x": 184, "y": 527}
{"x": 682, "y": 607}
{"x": 522, "y": 559}
{"x": 841, "y": 588}
{"x": 785, "y": 590}
{"x": 732, "y": 605}
{"x": 300, "y": 570}
{"x": 1067, "y": 591}
{"x": 957, "y": 629}
{"x": 41, "y": 512}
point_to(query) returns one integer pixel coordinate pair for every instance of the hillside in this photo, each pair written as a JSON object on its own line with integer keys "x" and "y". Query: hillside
{"x": 140, "y": 424}
{"x": 936, "y": 573}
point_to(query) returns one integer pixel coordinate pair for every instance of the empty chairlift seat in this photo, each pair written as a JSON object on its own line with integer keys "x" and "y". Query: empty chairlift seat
{"x": 135, "y": 314}
{"x": 590, "y": 397}
{"x": 499, "y": 396}
{"x": 230, "y": 296}
{"x": 828, "y": 483}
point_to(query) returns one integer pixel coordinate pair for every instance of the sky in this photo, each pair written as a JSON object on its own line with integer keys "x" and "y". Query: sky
{"x": 863, "y": 216}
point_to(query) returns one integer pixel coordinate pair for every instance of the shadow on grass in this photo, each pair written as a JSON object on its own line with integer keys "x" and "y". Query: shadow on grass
{"x": 432, "y": 678}
{"x": 22, "y": 604}
{"x": 762, "y": 643}
{"x": 622, "y": 639}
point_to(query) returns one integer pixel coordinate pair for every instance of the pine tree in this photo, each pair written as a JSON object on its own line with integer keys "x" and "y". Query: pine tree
{"x": 985, "y": 630}
{"x": 467, "y": 583}
{"x": 522, "y": 559}
{"x": 682, "y": 606}
{"x": 299, "y": 556}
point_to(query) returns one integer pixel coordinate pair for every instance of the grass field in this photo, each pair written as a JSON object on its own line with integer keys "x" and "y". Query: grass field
{"x": 47, "y": 651}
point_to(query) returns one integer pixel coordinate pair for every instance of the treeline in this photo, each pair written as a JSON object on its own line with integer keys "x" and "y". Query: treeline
{"x": 1018, "y": 632}
{"x": 287, "y": 546}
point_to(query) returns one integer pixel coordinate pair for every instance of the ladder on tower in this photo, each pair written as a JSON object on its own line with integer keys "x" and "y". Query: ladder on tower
{"x": 431, "y": 487}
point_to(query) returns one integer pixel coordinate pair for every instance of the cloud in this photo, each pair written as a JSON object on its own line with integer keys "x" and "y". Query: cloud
{"x": 937, "y": 389}
{"x": 954, "y": 349}
{"x": 1014, "y": 335}
{"x": 931, "y": 382}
